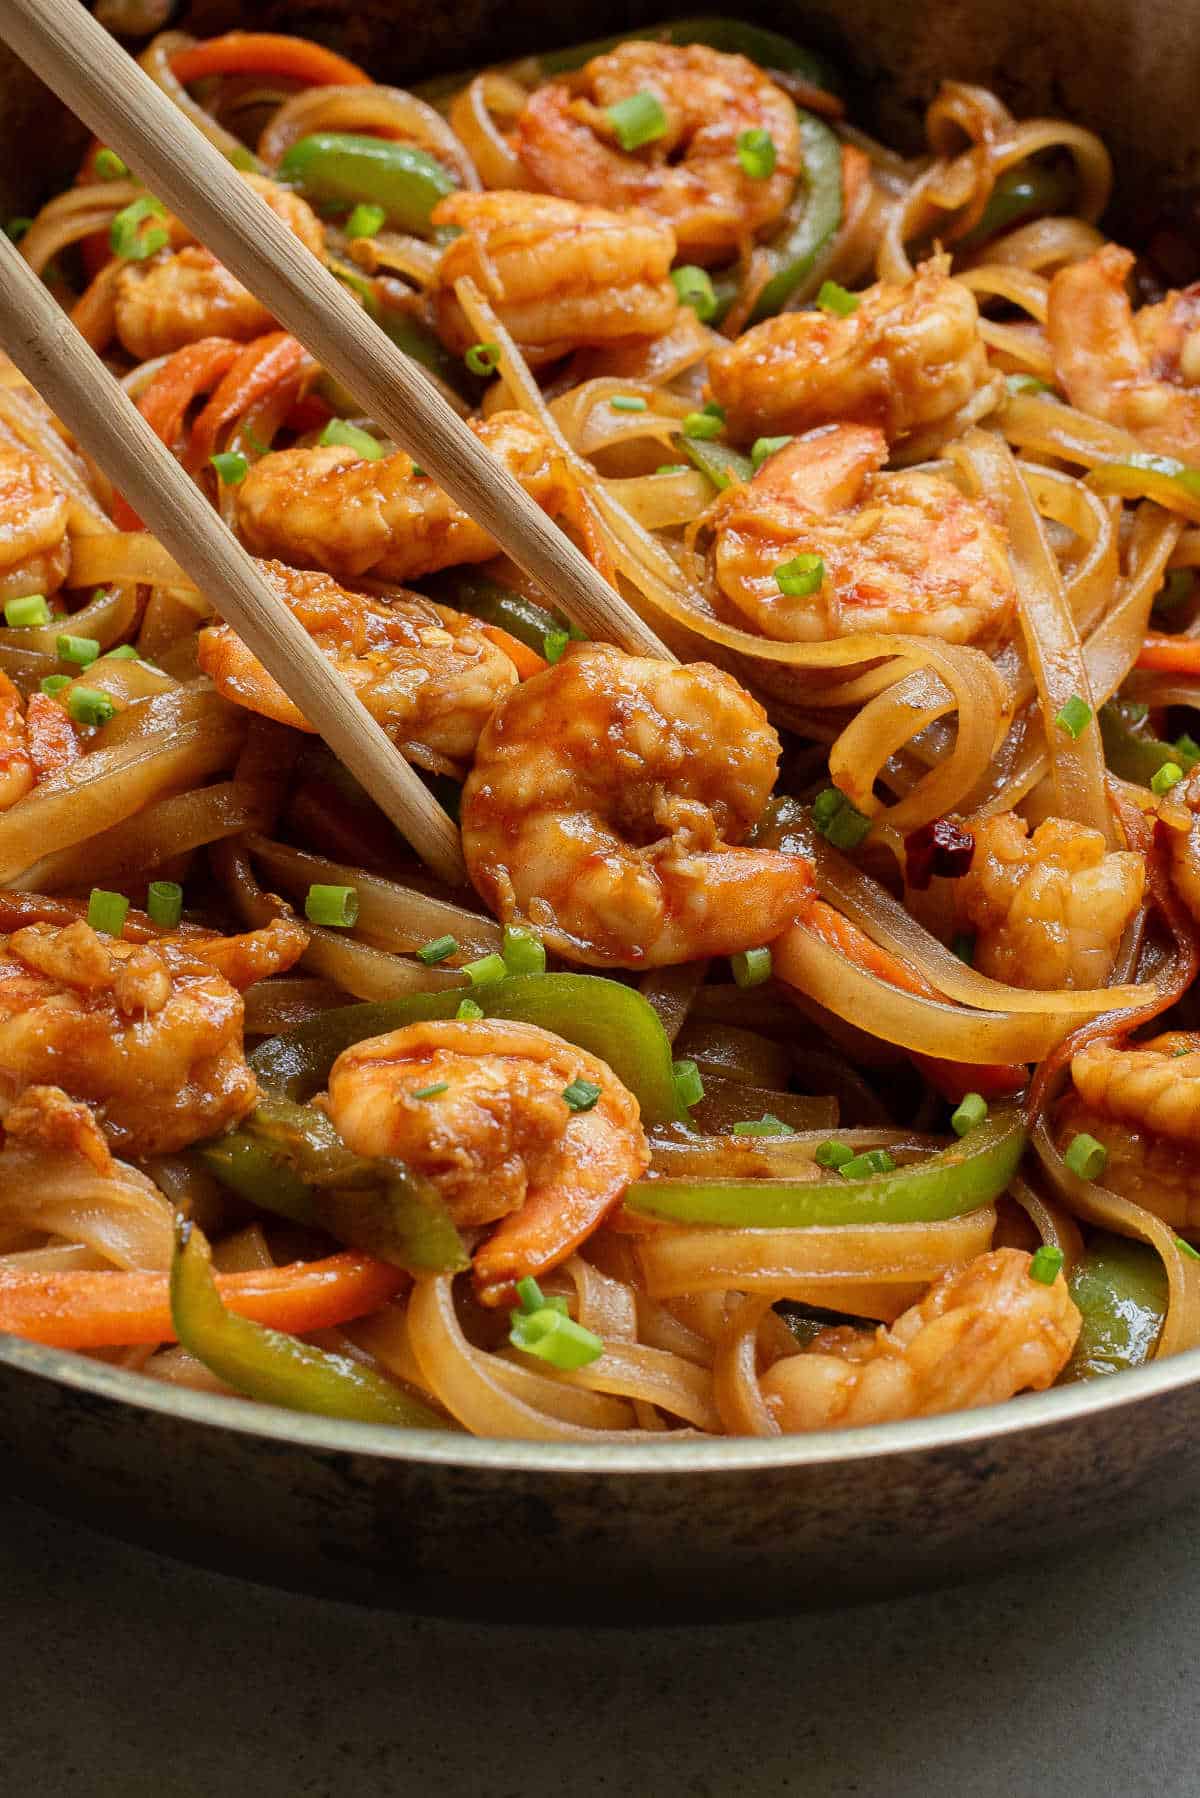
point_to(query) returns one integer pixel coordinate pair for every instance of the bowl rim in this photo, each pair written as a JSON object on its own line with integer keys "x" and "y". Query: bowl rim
{"x": 1032, "y": 1412}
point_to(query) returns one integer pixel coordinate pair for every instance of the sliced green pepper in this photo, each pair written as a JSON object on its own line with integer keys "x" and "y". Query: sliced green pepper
{"x": 1143, "y": 475}
{"x": 1134, "y": 757}
{"x": 522, "y": 618}
{"x": 769, "y": 49}
{"x": 1120, "y": 1287}
{"x": 1027, "y": 190}
{"x": 343, "y": 168}
{"x": 961, "y": 1178}
{"x": 722, "y": 465}
{"x": 271, "y": 1366}
{"x": 794, "y": 252}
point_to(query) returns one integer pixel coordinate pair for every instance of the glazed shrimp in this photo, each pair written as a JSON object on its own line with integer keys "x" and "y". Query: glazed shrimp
{"x": 904, "y": 552}
{"x": 909, "y": 359}
{"x": 1049, "y": 909}
{"x": 690, "y": 175}
{"x": 150, "y": 1035}
{"x": 981, "y": 1334}
{"x": 185, "y": 294}
{"x": 478, "y": 1109}
{"x": 427, "y": 674}
{"x": 1139, "y": 370}
{"x": 603, "y": 803}
{"x": 559, "y": 275}
{"x": 1142, "y": 1103}
{"x": 1183, "y": 846}
{"x": 35, "y": 552}
{"x": 329, "y": 508}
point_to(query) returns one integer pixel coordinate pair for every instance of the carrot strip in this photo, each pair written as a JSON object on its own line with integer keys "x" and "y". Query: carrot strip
{"x": 1169, "y": 655}
{"x": 526, "y": 661}
{"x": 189, "y": 372}
{"x": 267, "y": 53}
{"x": 109, "y": 1310}
{"x": 262, "y": 366}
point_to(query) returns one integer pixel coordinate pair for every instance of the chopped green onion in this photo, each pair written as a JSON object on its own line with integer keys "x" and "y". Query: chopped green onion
{"x": 529, "y": 1294}
{"x": 23, "y": 614}
{"x": 800, "y": 577}
{"x": 486, "y": 971}
{"x": 469, "y": 1012}
{"x": 695, "y": 289}
{"x": 1187, "y": 746}
{"x": 969, "y": 1114}
{"x": 553, "y": 644}
{"x": 841, "y": 823}
{"x": 523, "y": 952}
{"x": 638, "y": 120}
{"x": 835, "y": 299}
{"x": 126, "y": 237}
{"x": 51, "y": 684}
{"x": 90, "y": 705}
{"x": 1185, "y": 1248}
{"x": 164, "y": 902}
{"x": 861, "y": 1167}
{"x": 833, "y": 1154}
{"x": 483, "y": 358}
{"x": 1086, "y": 1157}
{"x": 82, "y": 651}
{"x": 335, "y": 907}
{"x": 1046, "y": 1265}
{"x": 751, "y": 967}
{"x": 350, "y": 437}
{"x": 439, "y": 949}
{"x": 431, "y": 1092}
{"x": 124, "y": 652}
{"x": 106, "y": 911}
{"x": 964, "y": 947}
{"x": 554, "y": 1337}
{"x": 762, "y": 447}
{"x": 673, "y": 468}
{"x": 627, "y": 402}
{"x": 231, "y": 467}
{"x": 706, "y": 424}
{"x": 1027, "y": 384}
{"x": 1075, "y": 716}
{"x": 1169, "y": 775}
{"x": 756, "y": 153}
{"x": 767, "y": 1125}
{"x": 581, "y": 1095}
{"x": 16, "y": 229}
{"x": 365, "y": 220}
{"x": 109, "y": 167}
{"x": 689, "y": 1086}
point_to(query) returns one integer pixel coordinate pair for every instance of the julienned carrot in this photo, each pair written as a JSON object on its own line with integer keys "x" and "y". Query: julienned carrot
{"x": 1169, "y": 655}
{"x": 261, "y": 367}
{"x": 267, "y": 53}
{"x": 526, "y": 661}
{"x": 193, "y": 370}
{"x": 106, "y": 1310}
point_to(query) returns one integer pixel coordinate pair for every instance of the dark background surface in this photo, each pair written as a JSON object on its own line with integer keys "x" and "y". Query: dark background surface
{"x": 127, "y": 1676}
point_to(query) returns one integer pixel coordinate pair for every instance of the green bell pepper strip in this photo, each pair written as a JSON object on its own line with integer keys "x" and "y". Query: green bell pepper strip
{"x": 1027, "y": 190}
{"x": 722, "y": 465}
{"x": 794, "y": 251}
{"x": 343, "y": 168}
{"x": 769, "y": 49}
{"x": 522, "y": 618}
{"x": 1120, "y": 1287}
{"x": 961, "y": 1178}
{"x": 271, "y": 1366}
{"x": 1137, "y": 758}
{"x": 1143, "y": 475}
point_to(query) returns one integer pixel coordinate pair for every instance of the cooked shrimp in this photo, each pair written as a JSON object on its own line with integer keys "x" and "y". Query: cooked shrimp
{"x": 1139, "y": 370}
{"x": 329, "y": 508}
{"x": 604, "y": 800}
{"x": 981, "y": 1334}
{"x": 900, "y": 552}
{"x": 690, "y": 175}
{"x": 427, "y": 674}
{"x": 35, "y": 552}
{"x": 1142, "y": 1102}
{"x": 479, "y": 1109}
{"x": 909, "y": 358}
{"x": 1050, "y": 908}
{"x": 184, "y": 293}
{"x": 17, "y": 774}
{"x": 1183, "y": 846}
{"x": 149, "y": 1035}
{"x": 558, "y": 275}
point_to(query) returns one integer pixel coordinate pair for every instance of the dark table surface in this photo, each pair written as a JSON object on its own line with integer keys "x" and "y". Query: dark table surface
{"x": 128, "y": 1676}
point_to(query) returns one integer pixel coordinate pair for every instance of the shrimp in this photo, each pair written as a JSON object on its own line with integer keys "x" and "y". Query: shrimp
{"x": 903, "y": 552}
{"x": 35, "y": 552}
{"x": 1050, "y": 908}
{"x": 559, "y": 275}
{"x": 185, "y": 294}
{"x": 1142, "y": 1103}
{"x": 1183, "y": 846}
{"x": 603, "y": 803}
{"x": 690, "y": 174}
{"x": 981, "y": 1334}
{"x": 149, "y": 1035}
{"x": 479, "y": 1110}
{"x": 17, "y": 775}
{"x": 329, "y": 508}
{"x": 909, "y": 358}
{"x": 1139, "y": 370}
{"x": 427, "y": 674}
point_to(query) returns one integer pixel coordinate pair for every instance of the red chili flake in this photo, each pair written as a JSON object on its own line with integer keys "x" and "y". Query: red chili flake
{"x": 943, "y": 848}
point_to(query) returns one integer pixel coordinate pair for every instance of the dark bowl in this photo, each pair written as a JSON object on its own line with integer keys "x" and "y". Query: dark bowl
{"x": 666, "y": 1530}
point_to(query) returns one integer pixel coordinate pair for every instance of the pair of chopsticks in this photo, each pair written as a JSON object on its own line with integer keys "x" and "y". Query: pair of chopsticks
{"x": 77, "y": 59}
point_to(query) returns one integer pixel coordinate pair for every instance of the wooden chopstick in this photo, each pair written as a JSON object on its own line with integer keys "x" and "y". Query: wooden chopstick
{"x": 70, "y": 376}
{"x": 117, "y": 99}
